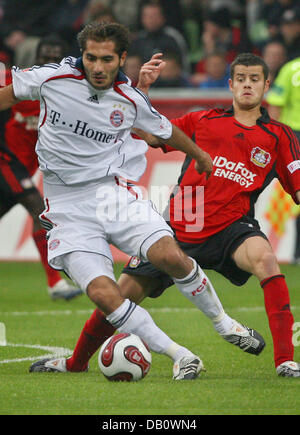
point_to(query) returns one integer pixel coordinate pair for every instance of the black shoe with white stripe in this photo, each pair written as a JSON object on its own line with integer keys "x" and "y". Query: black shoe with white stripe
{"x": 245, "y": 338}
{"x": 51, "y": 365}
{"x": 187, "y": 368}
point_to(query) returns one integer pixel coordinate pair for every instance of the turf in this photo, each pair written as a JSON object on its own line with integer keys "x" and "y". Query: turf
{"x": 234, "y": 383}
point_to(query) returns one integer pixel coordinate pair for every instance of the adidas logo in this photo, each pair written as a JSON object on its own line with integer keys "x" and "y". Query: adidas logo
{"x": 240, "y": 136}
{"x": 94, "y": 99}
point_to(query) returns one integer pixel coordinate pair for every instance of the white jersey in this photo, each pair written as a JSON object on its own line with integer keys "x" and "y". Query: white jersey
{"x": 85, "y": 133}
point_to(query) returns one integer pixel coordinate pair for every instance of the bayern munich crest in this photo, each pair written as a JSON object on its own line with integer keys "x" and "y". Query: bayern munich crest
{"x": 116, "y": 118}
{"x": 54, "y": 244}
{"x": 260, "y": 157}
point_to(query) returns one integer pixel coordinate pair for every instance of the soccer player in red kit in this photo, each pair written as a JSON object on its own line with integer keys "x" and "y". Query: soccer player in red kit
{"x": 18, "y": 163}
{"x": 248, "y": 150}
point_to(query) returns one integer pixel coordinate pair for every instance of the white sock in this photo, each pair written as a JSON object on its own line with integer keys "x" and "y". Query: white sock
{"x": 224, "y": 325}
{"x": 132, "y": 318}
{"x": 175, "y": 351}
{"x": 199, "y": 290}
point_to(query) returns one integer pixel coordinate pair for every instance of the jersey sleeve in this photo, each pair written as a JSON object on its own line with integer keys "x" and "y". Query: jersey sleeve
{"x": 27, "y": 82}
{"x": 279, "y": 92}
{"x": 187, "y": 124}
{"x": 148, "y": 119}
{"x": 288, "y": 162}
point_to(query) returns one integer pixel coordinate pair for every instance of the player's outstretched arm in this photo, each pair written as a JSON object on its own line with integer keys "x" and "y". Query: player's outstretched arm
{"x": 151, "y": 140}
{"x": 180, "y": 141}
{"x": 150, "y": 72}
{"x": 7, "y": 97}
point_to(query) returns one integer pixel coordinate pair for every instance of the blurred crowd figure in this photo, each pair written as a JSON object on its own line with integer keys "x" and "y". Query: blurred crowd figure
{"x": 205, "y": 35}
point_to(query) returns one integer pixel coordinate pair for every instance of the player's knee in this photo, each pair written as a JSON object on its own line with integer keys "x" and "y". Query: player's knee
{"x": 267, "y": 264}
{"x": 105, "y": 294}
{"x": 172, "y": 261}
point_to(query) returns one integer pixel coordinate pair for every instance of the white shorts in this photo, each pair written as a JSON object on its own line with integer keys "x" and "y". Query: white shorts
{"x": 83, "y": 267}
{"x": 92, "y": 217}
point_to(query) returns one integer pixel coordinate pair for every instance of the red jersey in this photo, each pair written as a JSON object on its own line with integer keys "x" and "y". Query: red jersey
{"x": 21, "y": 131}
{"x": 245, "y": 159}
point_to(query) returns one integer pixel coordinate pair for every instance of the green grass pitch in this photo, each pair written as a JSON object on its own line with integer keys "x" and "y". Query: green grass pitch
{"x": 234, "y": 383}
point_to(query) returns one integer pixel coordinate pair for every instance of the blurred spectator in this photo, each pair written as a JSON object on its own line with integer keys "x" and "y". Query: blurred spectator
{"x": 234, "y": 6}
{"x": 99, "y": 14}
{"x": 125, "y": 12}
{"x": 290, "y": 31}
{"x": 132, "y": 67}
{"x": 24, "y": 51}
{"x": 216, "y": 73}
{"x": 257, "y": 23}
{"x": 172, "y": 75}
{"x": 272, "y": 11}
{"x": 264, "y": 16}
{"x": 192, "y": 29}
{"x": 67, "y": 22}
{"x": 236, "y": 9}
{"x": 22, "y": 25}
{"x": 68, "y": 15}
{"x": 32, "y": 17}
{"x": 157, "y": 37}
{"x": 173, "y": 12}
{"x": 284, "y": 105}
{"x": 220, "y": 34}
{"x": 275, "y": 55}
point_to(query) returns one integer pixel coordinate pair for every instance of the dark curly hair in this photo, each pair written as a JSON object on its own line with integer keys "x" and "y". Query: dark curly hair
{"x": 99, "y": 32}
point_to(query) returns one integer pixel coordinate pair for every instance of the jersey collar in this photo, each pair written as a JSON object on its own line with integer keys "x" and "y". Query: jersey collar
{"x": 79, "y": 64}
{"x": 263, "y": 118}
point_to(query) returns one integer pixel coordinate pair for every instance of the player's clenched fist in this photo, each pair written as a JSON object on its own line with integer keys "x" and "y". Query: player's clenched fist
{"x": 204, "y": 164}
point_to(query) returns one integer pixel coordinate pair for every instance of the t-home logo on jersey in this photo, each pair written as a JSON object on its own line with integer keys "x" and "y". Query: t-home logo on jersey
{"x": 234, "y": 171}
{"x": 82, "y": 128}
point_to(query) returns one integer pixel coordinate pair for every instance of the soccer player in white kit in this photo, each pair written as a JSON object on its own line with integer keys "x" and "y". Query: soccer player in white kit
{"x": 86, "y": 154}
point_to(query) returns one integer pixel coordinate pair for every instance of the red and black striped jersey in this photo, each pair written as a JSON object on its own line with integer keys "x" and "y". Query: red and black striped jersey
{"x": 21, "y": 131}
{"x": 245, "y": 159}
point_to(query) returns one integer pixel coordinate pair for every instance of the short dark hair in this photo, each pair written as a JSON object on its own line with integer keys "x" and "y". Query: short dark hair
{"x": 52, "y": 41}
{"x": 249, "y": 59}
{"x": 99, "y": 32}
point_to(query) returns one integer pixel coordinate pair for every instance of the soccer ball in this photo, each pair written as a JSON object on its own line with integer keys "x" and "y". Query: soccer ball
{"x": 124, "y": 357}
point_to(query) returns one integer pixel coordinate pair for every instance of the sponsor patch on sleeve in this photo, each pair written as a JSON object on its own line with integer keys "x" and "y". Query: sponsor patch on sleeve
{"x": 293, "y": 166}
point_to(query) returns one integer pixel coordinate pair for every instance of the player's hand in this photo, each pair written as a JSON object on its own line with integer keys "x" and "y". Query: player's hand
{"x": 204, "y": 164}
{"x": 150, "y": 71}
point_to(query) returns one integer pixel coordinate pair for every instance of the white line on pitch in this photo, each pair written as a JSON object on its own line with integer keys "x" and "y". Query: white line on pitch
{"x": 151, "y": 310}
{"x": 54, "y": 352}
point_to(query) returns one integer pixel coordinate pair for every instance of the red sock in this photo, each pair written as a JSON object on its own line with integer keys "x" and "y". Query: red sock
{"x": 95, "y": 331}
{"x": 277, "y": 303}
{"x": 53, "y": 276}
